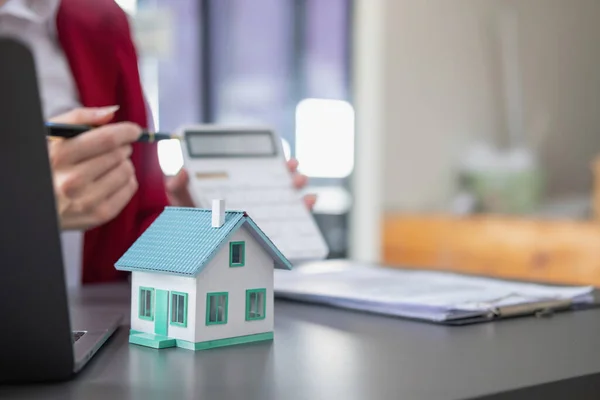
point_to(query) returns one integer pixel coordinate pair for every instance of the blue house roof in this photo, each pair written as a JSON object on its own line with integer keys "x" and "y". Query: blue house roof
{"x": 182, "y": 241}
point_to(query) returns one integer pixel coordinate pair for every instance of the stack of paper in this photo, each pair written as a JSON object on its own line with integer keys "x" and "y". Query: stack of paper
{"x": 426, "y": 295}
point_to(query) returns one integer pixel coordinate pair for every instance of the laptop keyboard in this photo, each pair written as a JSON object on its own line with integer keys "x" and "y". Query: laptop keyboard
{"x": 77, "y": 335}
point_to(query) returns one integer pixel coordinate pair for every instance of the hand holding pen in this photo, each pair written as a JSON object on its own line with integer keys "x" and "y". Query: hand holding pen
{"x": 68, "y": 131}
{"x": 93, "y": 176}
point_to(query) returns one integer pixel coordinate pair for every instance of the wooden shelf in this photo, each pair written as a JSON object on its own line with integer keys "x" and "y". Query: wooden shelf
{"x": 564, "y": 252}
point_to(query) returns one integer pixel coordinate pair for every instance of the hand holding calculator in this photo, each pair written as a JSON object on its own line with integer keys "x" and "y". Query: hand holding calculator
{"x": 246, "y": 167}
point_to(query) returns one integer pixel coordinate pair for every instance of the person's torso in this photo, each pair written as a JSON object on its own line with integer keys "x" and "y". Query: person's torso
{"x": 95, "y": 37}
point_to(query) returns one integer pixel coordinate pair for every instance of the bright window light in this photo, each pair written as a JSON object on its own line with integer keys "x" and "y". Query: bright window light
{"x": 170, "y": 156}
{"x": 129, "y": 6}
{"x": 332, "y": 200}
{"x": 149, "y": 73}
{"x": 325, "y": 138}
{"x": 287, "y": 150}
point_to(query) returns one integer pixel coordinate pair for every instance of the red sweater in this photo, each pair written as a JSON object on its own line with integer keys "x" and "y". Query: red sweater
{"x": 95, "y": 36}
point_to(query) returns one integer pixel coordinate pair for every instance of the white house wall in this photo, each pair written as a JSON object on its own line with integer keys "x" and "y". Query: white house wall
{"x": 257, "y": 273}
{"x": 169, "y": 283}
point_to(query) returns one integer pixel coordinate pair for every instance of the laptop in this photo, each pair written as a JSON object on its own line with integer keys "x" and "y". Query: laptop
{"x": 38, "y": 340}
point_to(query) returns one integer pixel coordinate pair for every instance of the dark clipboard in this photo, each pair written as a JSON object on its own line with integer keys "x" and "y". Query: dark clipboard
{"x": 539, "y": 309}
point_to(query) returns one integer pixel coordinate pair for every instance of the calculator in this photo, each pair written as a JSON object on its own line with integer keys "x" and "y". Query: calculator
{"x": 247, "y": 168}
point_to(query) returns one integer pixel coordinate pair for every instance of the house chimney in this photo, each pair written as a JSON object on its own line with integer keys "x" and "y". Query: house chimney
{"x": 218, "y": 213}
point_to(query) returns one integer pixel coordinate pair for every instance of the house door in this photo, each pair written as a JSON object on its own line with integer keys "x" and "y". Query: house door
{"x": 161, "y": 322}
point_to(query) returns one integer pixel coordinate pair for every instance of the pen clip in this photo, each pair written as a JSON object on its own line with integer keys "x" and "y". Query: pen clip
{"x": 539, "y": 309}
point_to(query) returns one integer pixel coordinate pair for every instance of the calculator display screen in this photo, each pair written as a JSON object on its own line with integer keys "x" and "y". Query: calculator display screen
{"x": 244, "y": 143}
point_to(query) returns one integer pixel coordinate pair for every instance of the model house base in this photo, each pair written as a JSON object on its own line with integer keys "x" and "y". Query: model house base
{"x": 163, "y": 342}
{"x": 202, "y": 279}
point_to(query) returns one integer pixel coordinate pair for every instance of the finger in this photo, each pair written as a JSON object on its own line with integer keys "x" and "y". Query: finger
{"x": 178, "y": 182}
{"x": 292, "y": 165}
{"x": 113, "y": 205}
{"x": 184, "y": 175}
{"x": 178, "y": 191}
{"x": 115, "y": 179}
{"x": 310, "y": 200}
{"x": 182, "y": 198}
{"x": 87, "y": 116}
{"x": 104, "y": 188}
{"x": 98, "y": 141}
{"x": 300, "y": 181}
{"x": 83, "y": 175}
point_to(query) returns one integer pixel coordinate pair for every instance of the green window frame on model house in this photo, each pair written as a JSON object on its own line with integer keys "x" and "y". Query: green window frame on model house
{"x": 146, "y": 303}
{"x": 237, "y": 254}
{"x": 179, "y": 309}
{"x": 216, "y": 308}
{"x": 256, "y": 304}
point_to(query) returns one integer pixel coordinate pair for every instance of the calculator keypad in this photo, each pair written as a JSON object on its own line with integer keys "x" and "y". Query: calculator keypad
{"x": 277, "y": 211}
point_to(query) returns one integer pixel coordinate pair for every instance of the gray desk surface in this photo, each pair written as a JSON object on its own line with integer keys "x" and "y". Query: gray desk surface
{"x": 324, "y": 353}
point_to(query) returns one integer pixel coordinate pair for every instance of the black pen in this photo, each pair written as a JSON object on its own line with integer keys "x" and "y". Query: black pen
{"x": 67, "y": 131}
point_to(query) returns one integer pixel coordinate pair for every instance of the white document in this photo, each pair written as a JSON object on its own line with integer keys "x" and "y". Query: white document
{"x": 433, "y": 296}
{"x": 246, "y": 167}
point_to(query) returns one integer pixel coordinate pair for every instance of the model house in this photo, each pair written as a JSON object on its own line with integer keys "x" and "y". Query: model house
{"x": 201, "y": 278}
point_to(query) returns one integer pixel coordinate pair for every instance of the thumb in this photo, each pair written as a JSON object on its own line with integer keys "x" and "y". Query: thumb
{"x": 87, "y": 116}
{"x": 185, "y": 177}
{"x": 179, "y": 182}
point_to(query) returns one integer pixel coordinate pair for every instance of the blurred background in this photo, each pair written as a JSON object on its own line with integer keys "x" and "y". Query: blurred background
{"x": 448, "y": 134}
{"x": 283, "y": 63}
